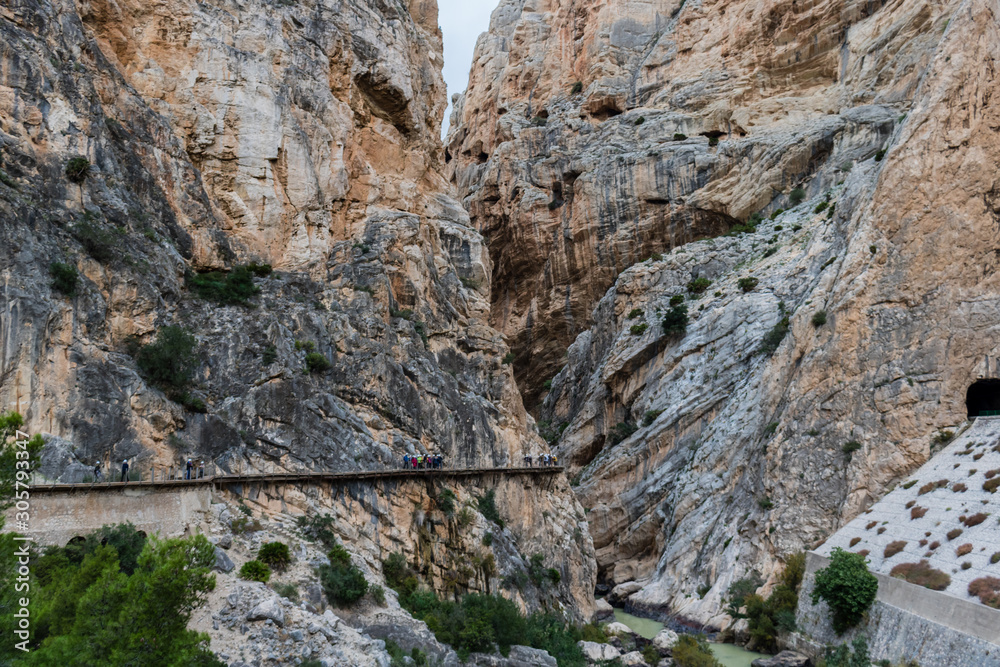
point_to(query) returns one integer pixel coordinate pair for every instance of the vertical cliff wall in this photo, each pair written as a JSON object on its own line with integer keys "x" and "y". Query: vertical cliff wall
{"x": 303, "y": 135}
{"x": 831, "y": 343}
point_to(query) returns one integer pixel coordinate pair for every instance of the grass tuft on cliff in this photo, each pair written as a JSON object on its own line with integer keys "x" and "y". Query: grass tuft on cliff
{"x": 233, "y": 288}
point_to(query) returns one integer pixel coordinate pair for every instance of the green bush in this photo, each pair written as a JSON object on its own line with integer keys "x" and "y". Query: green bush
{"x": 773, "y": 338}
{"x": 539, "y": 121}
{"x": 650, "y": 655}
{"x": 620, "y": 432}
{"x": 275, "y": 554}
{"x": 765, "y": 618}
{"x": 635, "y": 312}
{"x": 638, "y": 329}
{"x": 343, "y": 583}
{"x": 259, "y": 270}
{"x": 679, "y": 137}
{"x": 592, "y": 632}
{"x": 847, "y": 587}
{"x": 99, "y": 242}
{"x": 269, "y": 355}
{"x": 170, "y": 360}
{"x": 64, "y": 278}
{"x": 576, "y": 88}
{"x": 748, "y": 284}
{"x": 487, "y": 539}
{"x": 842, "y": 656}
{"x": 508, "y": 358}
{"x": 819, "y": 318}
{"x": 676, "y": 300}
{"x": 650, "y": 416}
{"x": 378, "y": 594}
{"x": 233, "y": 288}
{"x": 797, "y": 196}
{"x": 317, "y": 363}
{"x": 77, "y": 169}
{"x": 446, "y": 501}
{"x": 879, "y": 154}
{"x": 319, "y": 529}
{"x": 254, "y": 570}
{"x": 693, "y": 651}
{"x": 487, "y": 506}
{"x": 675, "y": 321}
{"x": 776, "y": 213}
{"x": 820, "y": 207}
{"x": 850, "y": 447}
{"x": 698, "y": 285}
{"x": 290, "y": 591}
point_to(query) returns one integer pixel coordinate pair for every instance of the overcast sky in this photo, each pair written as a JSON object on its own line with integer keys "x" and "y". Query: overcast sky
{"x": 461, "y": 22}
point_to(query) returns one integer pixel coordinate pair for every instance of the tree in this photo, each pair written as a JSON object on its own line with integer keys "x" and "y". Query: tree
{"x": 847, "y": 587}
{"x": 675, "y": 320}
{"x": 97, "y": 614}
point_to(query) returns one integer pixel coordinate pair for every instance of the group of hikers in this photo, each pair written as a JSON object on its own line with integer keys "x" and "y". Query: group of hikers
{"x": 423, "y": 461}
{"x": 543, "y": 460}
{"x": 192, "y": 470}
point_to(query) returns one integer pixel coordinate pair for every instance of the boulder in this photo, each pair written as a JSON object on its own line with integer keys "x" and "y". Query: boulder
{"x": 783, "y": 659}
{"x": 224, "y": 541}
{"x": 595, "y": 652}
{"x": 622, "y": 591}
{"x": 617, "y": 628}
{"x": 520, "y": 656}
{"x": 665, "y": 639}
{"x": 632, "y": 659}
{"x": 268, "y": 609}
{"x": 603, "y": 610}
{"x": 223, "y": 563}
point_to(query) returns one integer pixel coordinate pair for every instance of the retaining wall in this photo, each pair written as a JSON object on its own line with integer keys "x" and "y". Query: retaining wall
{"x": 909, "y": 622}
{"x": 58, "y": 517}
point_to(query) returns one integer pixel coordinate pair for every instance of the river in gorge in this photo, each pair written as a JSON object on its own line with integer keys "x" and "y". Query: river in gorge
{"x": 729, "y": 655}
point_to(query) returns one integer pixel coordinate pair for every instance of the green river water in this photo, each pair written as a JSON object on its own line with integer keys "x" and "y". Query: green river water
{"x": 729, "y": 655}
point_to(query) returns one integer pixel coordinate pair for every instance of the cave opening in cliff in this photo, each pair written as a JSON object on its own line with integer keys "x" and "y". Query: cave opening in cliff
{"x": 983, "y": 398}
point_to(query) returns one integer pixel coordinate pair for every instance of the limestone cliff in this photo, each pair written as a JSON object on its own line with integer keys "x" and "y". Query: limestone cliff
{"x": 303, "y": 135}
{"x": 703, "y": 456}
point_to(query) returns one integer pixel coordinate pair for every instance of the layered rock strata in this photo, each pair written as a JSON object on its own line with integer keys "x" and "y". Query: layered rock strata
{"x": 301, "y": 135}
{"x": 709, "y": 456}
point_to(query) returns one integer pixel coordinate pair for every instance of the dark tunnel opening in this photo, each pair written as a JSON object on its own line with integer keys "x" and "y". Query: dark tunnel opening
{"x": 983, "y": 398}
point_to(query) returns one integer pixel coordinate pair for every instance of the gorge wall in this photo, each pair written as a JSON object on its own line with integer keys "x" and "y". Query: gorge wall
{"x": 303, "y": 135}
{"x": 598, "y": 142}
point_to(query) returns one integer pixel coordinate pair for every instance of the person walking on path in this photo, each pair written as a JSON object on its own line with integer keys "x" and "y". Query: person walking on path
{"x": 187, "y": 469}
{"x": 124, "y": 470}
{"x": 406, "y": 461}
{"x": 97, "y": 472}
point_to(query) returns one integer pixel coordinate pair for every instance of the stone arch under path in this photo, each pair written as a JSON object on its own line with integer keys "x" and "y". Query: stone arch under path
{"x": 983, "y": 397}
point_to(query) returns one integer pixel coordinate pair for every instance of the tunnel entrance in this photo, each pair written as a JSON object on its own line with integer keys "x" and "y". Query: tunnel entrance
{"x": 983, "y": 398}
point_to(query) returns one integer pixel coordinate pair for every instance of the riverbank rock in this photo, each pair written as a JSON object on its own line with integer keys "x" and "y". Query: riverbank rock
{"x": 595, "y": 652}
{"x": 632, "y": 659}
{"x": 520, "y": 656}
{"x": 617, "y": 628}
{"x": 783, "y": 659}
{"x": 603, "y": 611}
{"x": 665, "y": 639}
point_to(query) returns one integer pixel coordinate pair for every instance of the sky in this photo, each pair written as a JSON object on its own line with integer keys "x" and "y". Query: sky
{"x": 461, "y": 23}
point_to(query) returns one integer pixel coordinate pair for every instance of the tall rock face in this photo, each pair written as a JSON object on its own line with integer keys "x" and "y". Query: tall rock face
{"x": 826, "y": 343}
{"x": 145, "y": 143}
{"x": 595, "y": 134}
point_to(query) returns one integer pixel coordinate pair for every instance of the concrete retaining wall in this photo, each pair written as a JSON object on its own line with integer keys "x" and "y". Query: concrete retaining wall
{"x": 58, "y": 517}
{"x": 909, "y": 622}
